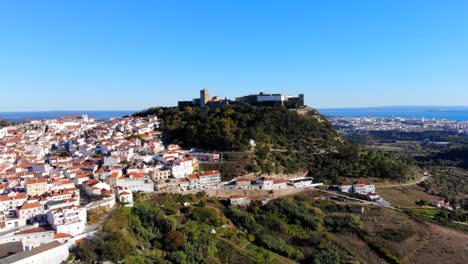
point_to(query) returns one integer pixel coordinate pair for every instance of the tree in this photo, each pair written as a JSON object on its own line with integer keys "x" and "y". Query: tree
{"x": 4, "y": 123}
{"x": 175, "y": 240}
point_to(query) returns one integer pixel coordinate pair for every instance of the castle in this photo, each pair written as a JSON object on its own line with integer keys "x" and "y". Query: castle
{"x": 279, "y": 100}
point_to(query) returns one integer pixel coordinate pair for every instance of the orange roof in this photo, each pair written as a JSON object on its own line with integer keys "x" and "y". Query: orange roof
{"x": 61, "y": 235}
{"x": 138, "y": 174}
{"x": 17, "y": 197}
{"x": 34, "y": 230}
{"x": 30, "y": 205}
{"x": 193, "y": 176}
{"x": 36, "y": 180}
{"x": 208, "y": 173}
{"x": 237, "y": 196}
{"x": 79, "y": 241}
{"x": 361, "y": 182}
{"x": 276, "y": 181}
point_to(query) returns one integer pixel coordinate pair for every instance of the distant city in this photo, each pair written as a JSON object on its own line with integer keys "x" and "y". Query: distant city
{"x": 351, "y": 125}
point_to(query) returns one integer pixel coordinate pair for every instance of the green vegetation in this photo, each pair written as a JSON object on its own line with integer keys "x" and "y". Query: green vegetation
{"x": 285, "y": 142}
{"x": 448, "y": 182}
{"x": 453, "y": 157}
{"x": 158, "y": 229}
{"x": 4, "y": 123}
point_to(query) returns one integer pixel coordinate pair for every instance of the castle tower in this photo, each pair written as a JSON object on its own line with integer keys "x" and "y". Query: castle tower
{"x": 301, "y": 100}
{"x": 204, "y": 98}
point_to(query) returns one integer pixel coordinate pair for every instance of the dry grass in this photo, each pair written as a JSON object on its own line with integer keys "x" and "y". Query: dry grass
{"x": 443, "y": 246}
{"x": 414, "y": 241}
{"x": 405, "y": 196}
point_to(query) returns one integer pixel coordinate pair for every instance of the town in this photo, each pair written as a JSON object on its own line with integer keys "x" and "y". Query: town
{"x": 56, "y": 174}
{"x": 352, "y": 125}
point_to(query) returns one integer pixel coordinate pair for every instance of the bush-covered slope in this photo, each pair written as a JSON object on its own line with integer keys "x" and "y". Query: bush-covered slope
{"x": 286, "y": 141}
{"x": 286, "y": 230}
{"x": 230, "y": 128}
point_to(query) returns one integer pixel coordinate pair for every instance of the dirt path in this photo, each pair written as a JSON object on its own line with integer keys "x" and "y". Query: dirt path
{"x": 403, "y": 184}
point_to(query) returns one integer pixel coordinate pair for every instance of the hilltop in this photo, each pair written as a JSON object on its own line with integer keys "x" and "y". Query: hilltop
{"x": 285, "y": 140}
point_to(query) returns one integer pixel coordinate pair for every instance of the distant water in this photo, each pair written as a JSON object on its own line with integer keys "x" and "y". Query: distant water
{"x": 439, "y": 112}
{"x": 14, "y": 117}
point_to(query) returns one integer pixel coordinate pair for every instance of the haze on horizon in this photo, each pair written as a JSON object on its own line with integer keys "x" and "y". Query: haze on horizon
{"x": 108, "y": 55}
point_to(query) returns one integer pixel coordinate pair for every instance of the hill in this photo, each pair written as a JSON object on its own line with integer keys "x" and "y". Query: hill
{"x": 297, "y": 229}
{"x": 286, "y": 141}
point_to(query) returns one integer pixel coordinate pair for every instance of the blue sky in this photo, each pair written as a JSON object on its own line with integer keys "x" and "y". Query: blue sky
{"x": 106, "y": 55}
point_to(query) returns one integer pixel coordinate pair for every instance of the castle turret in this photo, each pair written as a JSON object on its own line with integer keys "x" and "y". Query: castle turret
{"x": 204, "y": 98}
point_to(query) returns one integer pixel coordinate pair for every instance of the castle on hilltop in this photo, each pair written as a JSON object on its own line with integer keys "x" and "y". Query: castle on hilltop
{"x": 279, "y": 100}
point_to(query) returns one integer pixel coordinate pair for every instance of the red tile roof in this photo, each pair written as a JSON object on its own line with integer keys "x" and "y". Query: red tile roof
{"x": 61, "y": 235}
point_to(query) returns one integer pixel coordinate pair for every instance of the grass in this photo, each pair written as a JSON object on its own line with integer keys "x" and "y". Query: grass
{"x": 386, "y": 148}
{"x": 427, "y": 211}
{"x": 405, "y": 196}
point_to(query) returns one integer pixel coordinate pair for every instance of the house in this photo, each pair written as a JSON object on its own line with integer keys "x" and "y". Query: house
{"x": 181, "y": 168}
{"x": 12, "y": 201}
{"x": 205, "y": 157}
{"x": 265, "y": 183}
{"x": 30, "y": 238}
{"x": 95, "y": 187}
{"x": 183, "y": 183}
{"x": 301, "y": 182}
{"x": 36, "y": 186}
{"x": 363, "y": 187}
{"x": 70, "y": 220}
{"x": 134, "y": 181}
{"x": 209, "y": 178}
{"x": 243, "y": 183}
{"x": 31, "y": 211}
{"x": 160, "y": 174}
{"x": 124, "y": 196}
{"x": 239, "y": 200}
{"x": 373, "y": 196}
{"x": 51, "y": 253}
{"x": 346, "y": 186}
{"x": 279, "y": 184}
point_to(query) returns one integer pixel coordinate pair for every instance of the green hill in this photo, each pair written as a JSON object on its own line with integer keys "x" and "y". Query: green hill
{"x": 230, "y": 128}
{"x": 286, "y": 141}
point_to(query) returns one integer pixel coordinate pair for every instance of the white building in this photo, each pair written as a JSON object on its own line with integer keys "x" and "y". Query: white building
{"x": 50, "y": 253}
{"x": 70, "y": 220}
{"x": 209, "y": 178}
{"x": 134, "y": 182}
{"x": 124, "y": 196}
{"x": 12, "y": 201}
{"x": 31, "y": 211}
{"x": 182, "y": 168}
{"x": 265, "y": 183}
{"x": 30, "y": 238}
{"x": 239, "y": 200}
{"x": 363, "y": 187}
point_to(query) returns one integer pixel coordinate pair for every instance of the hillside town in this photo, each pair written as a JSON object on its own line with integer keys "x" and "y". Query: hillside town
{"x": 55, "y": 174}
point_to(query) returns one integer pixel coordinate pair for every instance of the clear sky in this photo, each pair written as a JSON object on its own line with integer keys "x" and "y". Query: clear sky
{"x": 96, "y": 55}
